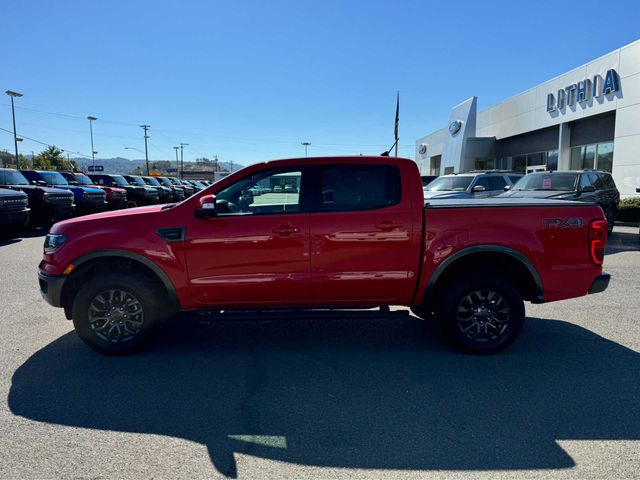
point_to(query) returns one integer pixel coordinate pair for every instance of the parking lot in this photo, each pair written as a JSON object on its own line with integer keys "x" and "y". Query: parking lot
{"x": 365, "y": 395}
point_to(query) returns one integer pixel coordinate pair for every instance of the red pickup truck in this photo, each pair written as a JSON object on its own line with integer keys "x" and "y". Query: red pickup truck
{"x": 348, "y": 232}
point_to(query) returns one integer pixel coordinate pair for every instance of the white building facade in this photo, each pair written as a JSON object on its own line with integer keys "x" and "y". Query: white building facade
{"x": 588, "y": 118}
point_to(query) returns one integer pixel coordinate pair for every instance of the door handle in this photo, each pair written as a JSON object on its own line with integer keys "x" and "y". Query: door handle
{"x": 388, "y": 225}
{"x": 285, "y": 230}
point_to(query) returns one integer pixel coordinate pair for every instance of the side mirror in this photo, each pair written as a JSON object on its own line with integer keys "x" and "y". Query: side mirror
{"x": 478, "y": 188}
{"x": 508, "y": 187}
{"x": 587, "y": 189}
{"x": 207, "y": 207}
{"x": 40, "y": 183}
{"x": 73, "y": 182}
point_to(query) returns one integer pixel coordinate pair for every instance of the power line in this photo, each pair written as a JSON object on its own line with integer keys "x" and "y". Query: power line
{"x": 45, "y": 143}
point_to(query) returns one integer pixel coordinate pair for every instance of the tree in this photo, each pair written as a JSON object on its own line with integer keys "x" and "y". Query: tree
{"x": 23, "y": 163}
{"x": 50, "y": 157}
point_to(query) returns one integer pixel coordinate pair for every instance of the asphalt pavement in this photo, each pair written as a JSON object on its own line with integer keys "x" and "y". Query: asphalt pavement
{"x": 367, "y": 395}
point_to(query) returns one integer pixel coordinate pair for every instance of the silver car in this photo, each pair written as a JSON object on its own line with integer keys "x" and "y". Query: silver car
{"x": 470, "y": 185}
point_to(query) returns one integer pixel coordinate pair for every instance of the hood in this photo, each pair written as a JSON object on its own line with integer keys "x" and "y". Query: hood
{"x": 444, "y": 194}
{"x": 86, "y": 220}
{"x": 36, "y": 188}
{"x": 7, "y": 192}
{"x": 110, "y": 189}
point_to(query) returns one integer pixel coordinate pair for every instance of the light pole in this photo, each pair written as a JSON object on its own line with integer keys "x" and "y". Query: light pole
{"x": 91, "y": 118}
{"x": 182, "y": 145}
{"x": 146, "y": 151}
{"x": 305, "y": 145}
{"x": 133, "y": 148}
{"x": 13, "y": 95}
{"x": 177, "y": 162}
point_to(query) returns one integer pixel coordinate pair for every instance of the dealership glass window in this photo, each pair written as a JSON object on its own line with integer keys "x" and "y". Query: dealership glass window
{"x": 552, "y": 160}
{"x": 519, "y": 164}
{"x": 485, "y": 163}
{"x": 597, "y": 156}
{"x": 435, "y": 165}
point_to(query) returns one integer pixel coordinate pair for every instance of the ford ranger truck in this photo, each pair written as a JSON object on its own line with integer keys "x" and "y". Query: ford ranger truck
{"x": 350, "y": 232}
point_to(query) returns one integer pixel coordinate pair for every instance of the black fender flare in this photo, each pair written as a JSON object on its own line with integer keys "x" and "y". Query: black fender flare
{"x": 154, "y": 267}
{"x": 523, "y": 259}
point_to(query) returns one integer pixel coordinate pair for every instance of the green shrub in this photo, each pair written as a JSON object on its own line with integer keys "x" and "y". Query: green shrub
{"x": 629, "y": 210}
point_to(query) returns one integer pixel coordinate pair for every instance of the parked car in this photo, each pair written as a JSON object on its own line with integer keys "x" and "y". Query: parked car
{"x": 136, "y": 195}
{"x": 48, "y": 205}
{"x": 188, "y": 189}
{"x": 470, "y": 185}
{"x": 177, "y": 191}
{"x": 14, "y": 211}
{"x": 581, "y": 185}
{"x": 116, "y": 197}
{"x": 164, "y": 193}
{"x": 373, "y": 243}
{"x": 167, "y": 194}
{"x": 427, "y": 179}
{"x": 87, "y": 199}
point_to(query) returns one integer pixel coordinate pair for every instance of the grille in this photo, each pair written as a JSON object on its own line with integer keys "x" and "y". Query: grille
{"x": 119, "y": 195}
{"x": 95, "y": 197}
{"x": 59, "y": 199}
{"x": 13, "y": 203}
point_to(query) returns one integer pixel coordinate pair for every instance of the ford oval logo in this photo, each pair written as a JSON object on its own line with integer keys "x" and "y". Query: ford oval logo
{"x": 423, "y": 149}
{"x": 455, "y": 127}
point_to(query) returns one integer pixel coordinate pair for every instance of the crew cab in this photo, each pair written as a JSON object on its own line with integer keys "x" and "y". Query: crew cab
{"x": 14, "y": 212}
{"x": 87, "y": 199}
{"x": 47, "y": 204}
{"x": 355, "y": 233}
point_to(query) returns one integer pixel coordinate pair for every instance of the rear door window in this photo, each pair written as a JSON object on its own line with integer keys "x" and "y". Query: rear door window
{"x": 497, "y": 182}
{"x": 347, "y": 188}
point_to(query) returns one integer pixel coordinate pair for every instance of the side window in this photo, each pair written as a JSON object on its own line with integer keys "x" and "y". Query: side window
{"x": 497, "y": 182}
{"x": 483, "y": 181}
{"x": 263, "y": 193}
{"x": 584, "y": 181}
{"x": 359, "y": 187}
{"x": 596, "y": 180}
{"x": 514, "y": 178}
{"x": 608, "y": 181}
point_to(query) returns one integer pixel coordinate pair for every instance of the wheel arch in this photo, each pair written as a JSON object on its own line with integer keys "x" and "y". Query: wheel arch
{"x": 505, "y": 259}
{"x": 109, "y": 260}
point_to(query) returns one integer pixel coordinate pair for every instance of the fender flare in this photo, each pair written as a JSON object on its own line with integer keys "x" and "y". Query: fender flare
{"x": 523, "y": 259}
{"x": 154, "y": 267}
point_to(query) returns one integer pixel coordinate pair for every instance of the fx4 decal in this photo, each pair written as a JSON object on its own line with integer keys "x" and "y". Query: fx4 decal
{"x": 563, "y": 222}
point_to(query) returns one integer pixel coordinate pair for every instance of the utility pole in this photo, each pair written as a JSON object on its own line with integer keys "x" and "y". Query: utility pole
{"x": 182, "y": 145}
{"x": 13, "y": 95}
{"x": 91, "y": 118}
{"x": 306, "y": 145}
{"x": 177, "y": 162}
{"x": 146, "y": 151}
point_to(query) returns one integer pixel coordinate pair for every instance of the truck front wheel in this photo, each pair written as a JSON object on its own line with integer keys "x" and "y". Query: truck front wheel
{"x": 113, "y": 313}
{"x": 482, "y": 315}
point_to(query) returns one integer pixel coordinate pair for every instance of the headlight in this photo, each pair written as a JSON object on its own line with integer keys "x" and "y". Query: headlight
{"x": 52, "y": 242}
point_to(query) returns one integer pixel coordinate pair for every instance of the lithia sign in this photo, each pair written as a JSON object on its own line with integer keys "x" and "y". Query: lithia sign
{"x": 584, "y": 90}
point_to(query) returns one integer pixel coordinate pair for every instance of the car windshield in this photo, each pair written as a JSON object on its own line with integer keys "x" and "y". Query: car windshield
{"x": 83, "y": 180}
{"x": 561, "y": 182}
{"x": 53, "y": 178}
{"x": 11, "y": 177}
{"x": 119, "y": 180}
{"x": 449, "y": 184}
{"x": 165, "y": 181}
{"x": 152, "y": 181}
{"x": 137, "y": 181}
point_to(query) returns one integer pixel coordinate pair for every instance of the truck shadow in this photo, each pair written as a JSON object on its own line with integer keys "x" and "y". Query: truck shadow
{"x": 623, "y": 241}
{"x": 345, "y": 392}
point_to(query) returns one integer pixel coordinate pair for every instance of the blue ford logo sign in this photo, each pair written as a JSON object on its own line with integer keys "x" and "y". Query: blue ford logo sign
{"x": 423, "y": 149}
{"x": 455, "y": 127}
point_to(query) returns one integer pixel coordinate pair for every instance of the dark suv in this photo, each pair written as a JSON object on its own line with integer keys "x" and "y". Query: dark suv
{"x": 48, "y": 205}
{"x": 14, "y": 213}
{"x": 164, "y": 193}
{"x": 581, "y": 185}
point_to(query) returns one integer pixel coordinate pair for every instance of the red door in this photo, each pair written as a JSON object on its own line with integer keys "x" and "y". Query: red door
{"x": 361, "y": 236}
{"x": 256, "y": 251}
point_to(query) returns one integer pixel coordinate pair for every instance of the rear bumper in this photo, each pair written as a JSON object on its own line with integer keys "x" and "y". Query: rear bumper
{"x": 600, "y": 284}
{"x": 51, "y": 288}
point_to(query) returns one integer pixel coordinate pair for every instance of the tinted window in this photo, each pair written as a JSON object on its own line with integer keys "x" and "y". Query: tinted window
{"x": 12, "y": 177}
{"x": 53, "y": 178}
{"x": 596, "y": 181}
{"x": 450, "y": 184}
{"x": 483, "y": 182}
{"x": 514, "y": 178}
{"x": 547, "y": 181}
{"x": 359, "y": 187}
{"x": 497, "y": 182}
{"x": 584, "y": 181}
{"x": 608, "y": 181}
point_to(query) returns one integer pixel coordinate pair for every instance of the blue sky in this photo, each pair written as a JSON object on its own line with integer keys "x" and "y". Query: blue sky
{"x": 250, "y": 80}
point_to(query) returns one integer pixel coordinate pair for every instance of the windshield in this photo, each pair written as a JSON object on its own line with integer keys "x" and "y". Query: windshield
{"x": 449, "y": 184}
{"x": 83, "y": 180}
{"x": 164, "y": 181}
{"x": 560, "y": 182}
{"x": 119, "y": 180}
{"x": 11, "y": 177}
{"x": 53, "y": 178}
{"x": 137, "y": 181}
{"x": 152, "y": 181}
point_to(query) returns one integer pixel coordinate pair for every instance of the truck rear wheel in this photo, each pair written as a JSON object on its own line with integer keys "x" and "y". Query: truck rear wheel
{"x": 113, "y": 314}
{"x": 482, "y": 315}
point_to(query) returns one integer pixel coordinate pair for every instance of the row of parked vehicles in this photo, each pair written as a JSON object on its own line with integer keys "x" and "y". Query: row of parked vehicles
{"x": 580, "y": 185}
{"x": 33, "y": 198}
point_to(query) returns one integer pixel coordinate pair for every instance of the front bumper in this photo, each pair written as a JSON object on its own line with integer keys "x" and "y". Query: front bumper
{"x": 58, "y": 212}
{"x": 14, "y": 218}
{"x": 600, "y": 284}
{"x": 51, "y": 288}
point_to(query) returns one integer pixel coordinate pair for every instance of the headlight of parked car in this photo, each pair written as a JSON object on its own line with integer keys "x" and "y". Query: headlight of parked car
{"x": 52, "y": 242}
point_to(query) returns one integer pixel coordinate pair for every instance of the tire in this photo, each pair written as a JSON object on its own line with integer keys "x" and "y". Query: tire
{"x": 115, "y": 313}
{"x": 495, "y": 324}
{"x": 610, "y": 215}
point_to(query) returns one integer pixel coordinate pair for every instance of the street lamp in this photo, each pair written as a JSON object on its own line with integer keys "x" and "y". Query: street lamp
{"x": 133, "y": 148}
{"x": 182, "y": 145}
{"x": 13, "y": 95}
{"x": 305, "y": 145}
{"x": 91, "y": 118}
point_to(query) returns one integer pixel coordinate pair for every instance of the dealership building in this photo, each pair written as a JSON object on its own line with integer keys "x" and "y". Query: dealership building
{"x": 588, "y": 118}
